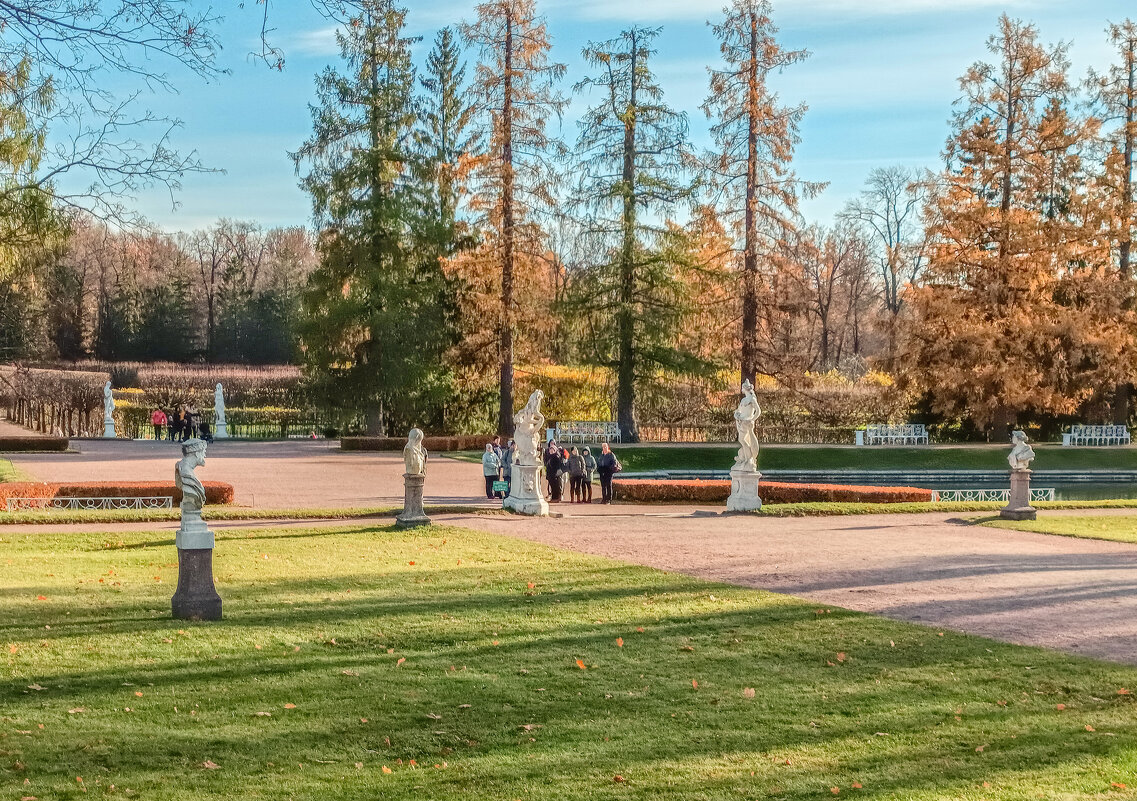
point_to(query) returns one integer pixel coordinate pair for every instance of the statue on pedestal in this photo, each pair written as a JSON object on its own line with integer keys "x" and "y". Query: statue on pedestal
{"x": 1020, "y": 457}
{"x": 744, "y": 476}
{"x": 108, "y": 411}
{"x": 525, "y": 495}
{"x": 414, "y": 479}
{"x": 220, "y": 424}
{"x": 196, "y": 598}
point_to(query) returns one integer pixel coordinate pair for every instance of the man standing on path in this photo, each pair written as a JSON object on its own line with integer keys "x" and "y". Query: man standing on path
{"x": 607, "y": 465}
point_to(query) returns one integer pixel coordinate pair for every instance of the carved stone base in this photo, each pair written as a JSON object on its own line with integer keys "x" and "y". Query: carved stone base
{"x": 193, "y": 534}
{"x": 744, "y": 491}
{"x": 196, "y": 598}
{"x": 222, "y": 431}
{"x": 1019, "y": 507}
{"x": 525, "y": 496}
{"x": 412, "y": 514}
{"x": 108, "y": 428}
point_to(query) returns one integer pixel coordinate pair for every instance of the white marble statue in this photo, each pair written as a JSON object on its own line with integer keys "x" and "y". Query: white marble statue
{"x": 219, "y": 406}
{"x": 1021, "y": 454}
{"x": 193, "y": 491}
{"x": 414, "y": 454}
{"x": 108, "y": 411}
{"x": 745, "y": 417}
{"x": 529, "y": 427}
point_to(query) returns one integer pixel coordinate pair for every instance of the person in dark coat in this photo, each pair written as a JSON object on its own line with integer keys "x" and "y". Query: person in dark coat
{"x": 589, "y": 472}
{"x": 554, "y": 463}
{"x": 575, "y": 467}
{"x": 607, "y": 465}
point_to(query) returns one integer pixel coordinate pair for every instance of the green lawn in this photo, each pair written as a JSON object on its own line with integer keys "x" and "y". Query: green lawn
{"x": 1122, "y": 528}
{"x": 822, "y": 457}
{"x": 9, "y": 472}
{"x": 367, "y": 663}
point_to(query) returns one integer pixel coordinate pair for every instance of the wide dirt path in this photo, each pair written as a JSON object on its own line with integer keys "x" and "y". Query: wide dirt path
{"x": 268, "y": 475}
{"x": 1075, "y": 595}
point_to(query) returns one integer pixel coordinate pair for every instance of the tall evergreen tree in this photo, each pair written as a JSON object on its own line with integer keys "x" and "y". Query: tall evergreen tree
{"x": 370, "y": 335}
{"x": 755, "y": 139}
{"x": 516, "y": 89}
{"x": 631, "y": 152}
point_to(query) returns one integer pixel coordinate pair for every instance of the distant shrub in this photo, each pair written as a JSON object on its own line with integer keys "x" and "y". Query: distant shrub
{"x": 40, "y": 444}
{"x": 717, "y": 491}
{"x": 435, "y": 444}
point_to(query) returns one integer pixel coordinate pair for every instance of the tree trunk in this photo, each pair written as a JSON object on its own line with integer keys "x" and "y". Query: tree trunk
{"x": 750, "y": 257}
{"x": 505, "y": 347}
{"x": 626, "y": 378}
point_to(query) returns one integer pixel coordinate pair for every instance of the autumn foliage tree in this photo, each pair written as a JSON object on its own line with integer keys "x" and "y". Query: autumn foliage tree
{"x": 1019, "y": 312}
{"x": 516, "y": 89}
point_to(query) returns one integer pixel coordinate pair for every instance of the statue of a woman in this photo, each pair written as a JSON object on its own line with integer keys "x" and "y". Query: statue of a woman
{"x": 218, "y": 407}
{"x": 414, "y": 454}
{"x": 1021, "y": 454}
{"x": 529, "y": 426}
{"x": 193, "y": 492}
{"x": 108, "y": 403}
{"x": 745, "y": 417}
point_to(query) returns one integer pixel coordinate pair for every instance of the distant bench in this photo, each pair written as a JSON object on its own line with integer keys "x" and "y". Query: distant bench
{"x": 586, "y": 431}
{"x": 1096, "y": 435}
{"x": 906, "y": 434}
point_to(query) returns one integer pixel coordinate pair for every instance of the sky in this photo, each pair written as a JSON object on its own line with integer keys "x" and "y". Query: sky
{"x": 879, "y": 84}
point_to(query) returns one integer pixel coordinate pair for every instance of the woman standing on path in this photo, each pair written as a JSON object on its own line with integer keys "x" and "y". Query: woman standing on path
{"x": 158, "y": 420}
{"x": 575, "y": 466}
{"x": 589, "y": 472}
{"x": 607, "y": 465}
{"x": 490, "y": 467}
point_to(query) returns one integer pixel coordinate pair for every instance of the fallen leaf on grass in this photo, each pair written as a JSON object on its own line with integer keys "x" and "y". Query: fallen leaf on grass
{"x": 530, "y": 726}
{"x": 76, "y": 710}
{"x": 363, "y": 720}
{"x": 747, "y": 692}
{"x": 209, "y": 764}
{"x": 12, "y": 648}
{"x": 463, "y": 706}
{"x": 619, "y": 642}
{"x": 835, "y": 790}
{"x": 1118, "y": 785}
{"x": 138, "y": 693}
{"x": 36, "y": 687}
{"x": 433, "y": 716}
{"x": 686, "y": 648}
{"x": 857, "y": 785}
{"x": 1059, "y": 707}
{"x": 290, "y": 706}
{"x": 41, "y": 597}
{"x": 349, "y": 672}
{"x": 1122, "y": 691}
{"x": 640, "y": 629}
{"x": 386, "y": 769}
{"x": 402, "y": 659}
{"x": 695, "y": 684}
{"x": 979, "y": 748}
{"x": 618, "y": 778}
{"x": 359, "y": 766}
{"x": 580, "y": 664}
{"x": 1089, "y": 727}
{"x": 262, "y": 714}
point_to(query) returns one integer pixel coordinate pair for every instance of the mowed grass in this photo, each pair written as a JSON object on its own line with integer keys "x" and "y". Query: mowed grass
{"x": 359, "y": 663}
{"x": 9, "y": 472}
{"x": 641, "y": 458}
{"x": 1120, "y": 528}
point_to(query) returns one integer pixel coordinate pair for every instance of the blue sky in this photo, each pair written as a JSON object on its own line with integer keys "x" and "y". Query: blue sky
{"x": 880, "y": 85}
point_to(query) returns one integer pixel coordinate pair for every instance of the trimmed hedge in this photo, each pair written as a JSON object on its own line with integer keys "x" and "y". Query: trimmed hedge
{"x": 636, "y": 490}
{"x": 433, "y": 444}
{"x": 25, "y": 444}
{"x": 216, "y": 492}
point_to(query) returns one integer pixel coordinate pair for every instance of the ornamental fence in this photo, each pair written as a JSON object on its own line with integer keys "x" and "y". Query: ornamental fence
{"x": 158, "y": 502}
{"x": 990, "y": 495}
{"x": 767, "y": 434}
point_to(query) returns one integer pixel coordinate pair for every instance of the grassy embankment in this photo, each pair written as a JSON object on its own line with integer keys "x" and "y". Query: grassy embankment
{"x": 638, "y": 458}
{"x": 1120, "y": 528}
{"x": 365, "y": 662}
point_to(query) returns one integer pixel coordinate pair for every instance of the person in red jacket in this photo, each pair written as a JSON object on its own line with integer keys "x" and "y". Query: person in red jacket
{"x": 158, "y": 420}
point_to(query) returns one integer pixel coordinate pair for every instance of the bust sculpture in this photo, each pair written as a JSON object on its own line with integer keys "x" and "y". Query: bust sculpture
{"x": 108, "y": 403}
{"x": 193, "y": 492}
{"x": 745, "y": 417}
{"x": 529, "y": 426}
{"x": 1021, "y": 454}
{"x": 414, "y": 454}
{"x": 219, "y": 406}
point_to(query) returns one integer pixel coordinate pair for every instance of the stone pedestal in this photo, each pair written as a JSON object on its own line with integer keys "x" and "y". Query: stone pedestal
{"x": 744, "y": 491}
{"x": 222, "y": 431}
{"x": 196, "y": 598}
{"x": 412, "y": 514}
{"x": 1019, "y": 507}
{"x": 525, "y": 495}
{"x": 108, "y": 428}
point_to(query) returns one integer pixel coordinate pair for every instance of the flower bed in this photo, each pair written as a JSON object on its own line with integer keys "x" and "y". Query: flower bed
{"x": 435, "y": 444}
{"x": 216, "y": 492}
{"x": 43, "y": 444}
{"x": 635, "y": 490}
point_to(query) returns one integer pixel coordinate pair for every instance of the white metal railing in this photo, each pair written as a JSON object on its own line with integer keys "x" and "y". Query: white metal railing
{"x": 587, "y": 431}
{"x": 906, "y": 434}
{"x": 158, "y": 502}
{"x": 1099, "y": 435}
{"x": 991, "y": 495}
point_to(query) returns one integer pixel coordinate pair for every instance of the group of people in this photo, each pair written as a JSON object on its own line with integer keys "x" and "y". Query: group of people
{"x": 186, "y": 423}
{"x": 566, "y": 470}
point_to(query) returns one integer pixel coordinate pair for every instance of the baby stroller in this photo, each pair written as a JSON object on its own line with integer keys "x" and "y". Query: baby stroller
{"x": 204, "y": 432}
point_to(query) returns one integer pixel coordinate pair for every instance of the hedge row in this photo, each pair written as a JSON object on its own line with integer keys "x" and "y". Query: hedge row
{"x": 52, "y": 444}
{"x": 434, "y": 444}
{"x": 662, "y": 491}
{"x": 216, "y": 492}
